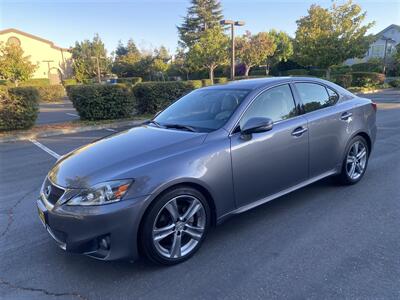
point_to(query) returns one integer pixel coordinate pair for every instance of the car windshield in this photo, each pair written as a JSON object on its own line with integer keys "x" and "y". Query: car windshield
{"x": 201, "y": 110}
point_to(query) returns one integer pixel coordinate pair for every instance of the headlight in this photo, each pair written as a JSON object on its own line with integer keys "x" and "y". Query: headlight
{"x": 102, "y": 193}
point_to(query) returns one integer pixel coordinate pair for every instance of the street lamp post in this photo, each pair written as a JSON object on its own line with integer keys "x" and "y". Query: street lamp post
{"x": 232, "y": 24}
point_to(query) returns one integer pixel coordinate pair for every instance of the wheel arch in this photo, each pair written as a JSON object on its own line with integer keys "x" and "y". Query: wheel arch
{"x": 202, "y": 189}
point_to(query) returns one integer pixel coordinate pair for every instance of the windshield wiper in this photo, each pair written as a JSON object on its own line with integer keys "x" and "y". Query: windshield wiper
{"x": 180, "y": 126}
{"x": 153, "y": 122}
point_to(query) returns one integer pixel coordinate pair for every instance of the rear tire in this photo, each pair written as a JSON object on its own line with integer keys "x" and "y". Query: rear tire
{"x": 175, "y": 226}
{"x": 355, "y": 161}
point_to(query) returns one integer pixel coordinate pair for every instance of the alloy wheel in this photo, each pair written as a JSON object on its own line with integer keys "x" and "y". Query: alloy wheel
{"x": 179, "y": 226}
{"x": 356, "y": 160}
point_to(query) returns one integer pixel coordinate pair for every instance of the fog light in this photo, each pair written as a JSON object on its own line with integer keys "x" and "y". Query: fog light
{"x": 104, "y": 243}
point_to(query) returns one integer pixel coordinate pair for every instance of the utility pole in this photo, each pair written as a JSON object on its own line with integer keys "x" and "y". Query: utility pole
{"x": 232, "y": 25}
{"x": 97, "y": 58}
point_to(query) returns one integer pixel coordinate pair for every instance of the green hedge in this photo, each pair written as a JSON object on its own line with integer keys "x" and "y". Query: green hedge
{"x": 100, "y": 102}
{"x": 343, "y": 80}
{"x": 296, "y": 72}
{"x": 206, "y": 82}
{"x": 152, "y": 97}
{"x": 317, "y": 72}
{"x": 220, "y": 80}
{"x": 18, "y": 107}
{"x": 50, "y": 93}
{"x": 394, "y": 83}
{"x": 368, "y": 67}
{"x": 30, "y": 82}
{"x": 196, "y": 84}
{"x": 366, "y": 79}
{"x": 70, "y": 81}
{"x": 343, "y": 69}
{"x": 130, "y": 80}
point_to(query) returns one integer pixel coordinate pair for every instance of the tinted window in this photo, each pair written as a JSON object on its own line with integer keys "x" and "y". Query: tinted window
{"x": 204, "y": 109}
{"x": 314, "y": 96}
{"x": 333, "y": 96}
{"x": 276, "y": 103}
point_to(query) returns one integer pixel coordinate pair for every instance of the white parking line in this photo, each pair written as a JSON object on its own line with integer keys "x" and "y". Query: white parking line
{"x": 44, "y": 148}
{"x": 74, "y": 115}
{"x": 110, "y": 129}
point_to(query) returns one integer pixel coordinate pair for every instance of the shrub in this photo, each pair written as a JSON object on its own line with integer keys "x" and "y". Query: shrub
{"x": 394, "y": 83}
{"x": 206, "y": 82}
{"x": 343, "y": 80}
{"x": 50, "y": 93}
{"x": 35, "y": 82}
{"x": 152, "y": 97}
{"x": 343, "y": 69}
{"x": 130, "y": 80}
{"x": 367, "y": 79}
{"x": 317, "y": 72}
{"x": 196, "y": 84}
{"x": 368, "y": 67}
{"x": 296, "y": 72}
{"x": 220, "y": 80}
{"x": 70, "y": 81}
{"x": 18, "y": 107}
{"x": 99, "y": 102}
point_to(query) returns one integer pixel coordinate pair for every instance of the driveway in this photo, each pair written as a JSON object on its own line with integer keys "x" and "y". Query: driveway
{"x": 321, "y": 242}
{"x": 50, "y": 113}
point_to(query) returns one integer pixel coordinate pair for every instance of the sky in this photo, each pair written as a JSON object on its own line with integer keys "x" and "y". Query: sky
{"x": 151, "y": 23}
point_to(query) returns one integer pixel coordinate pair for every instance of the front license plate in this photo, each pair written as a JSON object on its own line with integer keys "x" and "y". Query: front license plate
{"x": 42, "y": 217}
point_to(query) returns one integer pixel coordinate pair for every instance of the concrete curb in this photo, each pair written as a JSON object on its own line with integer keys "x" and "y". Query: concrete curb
{"x": 47, "y": 133}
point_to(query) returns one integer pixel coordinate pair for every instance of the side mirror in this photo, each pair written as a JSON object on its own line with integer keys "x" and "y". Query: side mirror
{"x": 257, "y": 124}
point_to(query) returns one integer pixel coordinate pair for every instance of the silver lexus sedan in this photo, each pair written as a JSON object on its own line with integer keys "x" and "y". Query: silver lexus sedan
{"x": 157, "y": 189}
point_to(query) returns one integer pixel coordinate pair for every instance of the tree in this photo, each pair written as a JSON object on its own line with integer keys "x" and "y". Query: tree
{"x": 201, "y": 15}
{"x": 160, "y": 61}
{"x": 14, "y": 66}
{"x": 284, "y": 47}
{"x": 254, "y": 50}
{"x": 84, "y": 55}
{"x": 127, "y": 57}
{"x": 181, "y": 64}
{"x": 210, "y": 51}
{"x": 327, "y": 37}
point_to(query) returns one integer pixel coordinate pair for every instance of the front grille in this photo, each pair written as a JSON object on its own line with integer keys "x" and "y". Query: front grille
{"x": 51, "y": 192}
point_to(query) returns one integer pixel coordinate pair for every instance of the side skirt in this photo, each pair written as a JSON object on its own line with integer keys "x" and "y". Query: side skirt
{"x": 274, "y": 196}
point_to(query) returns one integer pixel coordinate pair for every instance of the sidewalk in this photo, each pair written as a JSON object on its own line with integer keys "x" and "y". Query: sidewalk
{"x": 46, "y": 130}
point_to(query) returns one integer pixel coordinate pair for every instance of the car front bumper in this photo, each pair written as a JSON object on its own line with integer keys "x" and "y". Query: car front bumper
{"x": 106, "y": 232}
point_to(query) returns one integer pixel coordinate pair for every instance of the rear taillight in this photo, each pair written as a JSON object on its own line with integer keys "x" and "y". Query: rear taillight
{"x": 374, "y": 106}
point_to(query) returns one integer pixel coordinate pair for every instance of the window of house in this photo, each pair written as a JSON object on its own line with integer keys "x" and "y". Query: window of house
{"x": 377, "y": 50}
{"x": 276, "y": 103}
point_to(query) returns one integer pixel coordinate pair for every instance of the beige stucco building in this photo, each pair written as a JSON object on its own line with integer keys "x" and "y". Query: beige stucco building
{"x": 53, "y": 62}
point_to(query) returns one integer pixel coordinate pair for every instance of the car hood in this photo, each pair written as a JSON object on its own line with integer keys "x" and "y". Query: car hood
{"x": 113, "y": 157}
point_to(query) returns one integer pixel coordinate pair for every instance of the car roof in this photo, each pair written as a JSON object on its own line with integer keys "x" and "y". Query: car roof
{"x": 261, "y": 83}
{"x": 256, "y": 83}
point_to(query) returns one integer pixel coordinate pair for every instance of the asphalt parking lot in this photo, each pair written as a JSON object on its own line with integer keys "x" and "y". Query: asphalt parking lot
{"x": 50, "y": 113}
{"x": 323, "y": 241}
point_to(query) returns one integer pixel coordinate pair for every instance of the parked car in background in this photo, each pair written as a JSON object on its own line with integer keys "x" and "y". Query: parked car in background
{"x": 156, "y": 189}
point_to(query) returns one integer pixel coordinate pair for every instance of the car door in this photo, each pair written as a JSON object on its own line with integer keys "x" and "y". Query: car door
{"x": 266, "y": 163}
{"x": 329, "y": 125}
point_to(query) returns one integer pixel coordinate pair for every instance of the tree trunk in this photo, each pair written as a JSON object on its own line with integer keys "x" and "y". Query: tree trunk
{"x": 187, "y": 75}
{"x": 247, "y": 70}
{"x": 328, "y": 73}
{"x": 211, "y": 70}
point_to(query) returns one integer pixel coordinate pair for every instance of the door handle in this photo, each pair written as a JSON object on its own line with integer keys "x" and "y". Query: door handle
{"x": 299, "y": 131}
{"x": 345, "y": 116}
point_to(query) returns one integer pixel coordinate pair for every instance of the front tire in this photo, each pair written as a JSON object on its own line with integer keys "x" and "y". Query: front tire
{"x": 175, "y": 226}
{"x": 355, "y": 161}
